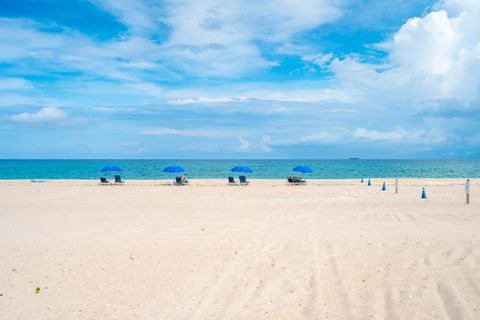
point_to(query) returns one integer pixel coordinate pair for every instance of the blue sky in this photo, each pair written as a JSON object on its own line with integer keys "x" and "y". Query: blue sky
{"x": 239, "y": 79}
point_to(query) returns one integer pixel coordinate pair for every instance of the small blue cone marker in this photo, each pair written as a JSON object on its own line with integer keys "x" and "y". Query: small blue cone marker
{"x": 369, "y": 183}
{"x": 361, "y": 180}
{"x": 384, "y": 187}
{"x": 424, "y": 194}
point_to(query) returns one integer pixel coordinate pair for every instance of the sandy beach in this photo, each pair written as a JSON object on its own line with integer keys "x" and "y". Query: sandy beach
{"x": 334, "y": 249}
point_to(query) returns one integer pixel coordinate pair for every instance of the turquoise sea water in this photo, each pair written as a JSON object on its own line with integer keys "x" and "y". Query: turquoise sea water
{"x": 271, "y": 169}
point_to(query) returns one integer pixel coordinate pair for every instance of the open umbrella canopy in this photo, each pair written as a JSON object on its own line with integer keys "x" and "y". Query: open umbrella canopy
{"x": 243, "y": 169}
{"x": 303, "y": 169}
{"x": 173, "y": 169}
{"x": 111, "y": 168}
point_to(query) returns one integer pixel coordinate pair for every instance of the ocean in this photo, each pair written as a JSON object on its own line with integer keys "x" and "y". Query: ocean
{"x": 267, "y": 169}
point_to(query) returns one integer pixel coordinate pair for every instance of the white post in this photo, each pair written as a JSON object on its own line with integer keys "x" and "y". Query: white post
{"x": 467, "y": 191}
{"x": 396, "y": 185}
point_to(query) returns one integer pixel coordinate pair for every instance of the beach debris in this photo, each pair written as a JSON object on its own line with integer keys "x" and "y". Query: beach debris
{"x": 37, "y": 290}
{"x": 369, "y": 183}
{"x": 384, "y": 187}
{"x": 424, "y": 194}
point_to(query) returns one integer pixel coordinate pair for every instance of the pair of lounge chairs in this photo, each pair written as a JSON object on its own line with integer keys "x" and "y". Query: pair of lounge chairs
{"x": 296, "y": 180}
{"x": 242, "y": 181}
{"x": 104, "y": 181}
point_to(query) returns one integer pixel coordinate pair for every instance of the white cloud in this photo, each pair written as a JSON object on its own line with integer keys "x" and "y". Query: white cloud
{"x": 148, "y": 88}
{"x": 46, "y": 115}
{"x": 331, "y": 136}
{"x": 15, "y": 84}
{"x": 187, "y": 133}
{"x": 49, "y": 117}
{"x": 136, "y": 14}
{"x": 430, "y": 58}
{"x": 321, "y": 60}
{"x": 244, "y": 145}
{"x": 432, "y": 72}
{"x": 416, "y": 136}
{"x": 205, "y": 100}
{"x": 374, "y": 135}
{"x": 265, "y": 144}
{"x": 280, "y": 95}
{"x": 224, "y": 33}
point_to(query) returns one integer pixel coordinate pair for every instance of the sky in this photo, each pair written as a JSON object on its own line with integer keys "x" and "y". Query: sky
{"x": 303, "y": 79}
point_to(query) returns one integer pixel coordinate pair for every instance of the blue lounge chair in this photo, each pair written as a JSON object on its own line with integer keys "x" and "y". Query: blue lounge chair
{"x": 243, "y": 180}
{"x": 231, "y": 181}
{"x": 180, "y": 182}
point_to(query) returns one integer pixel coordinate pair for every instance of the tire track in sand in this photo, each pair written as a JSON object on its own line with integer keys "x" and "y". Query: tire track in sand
{"x": 339, "y": 283}
{"x": 451, "y": 301}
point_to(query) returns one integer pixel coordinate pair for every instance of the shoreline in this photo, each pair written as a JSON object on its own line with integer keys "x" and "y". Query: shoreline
{"x": 252, "y": 182}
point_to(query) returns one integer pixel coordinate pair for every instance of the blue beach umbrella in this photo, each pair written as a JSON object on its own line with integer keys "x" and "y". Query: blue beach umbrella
{"x": 111, "y": 168}
{"x": 173, "y": 169}
{"x": 243, "y": 169}
{"x": 303, "y": 169}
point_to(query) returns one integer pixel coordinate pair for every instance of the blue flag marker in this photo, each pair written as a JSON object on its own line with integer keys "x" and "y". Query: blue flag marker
{"x": 424, "y": 194}
{"x": 369, "y": 183}
{"x": 384, "y": 187}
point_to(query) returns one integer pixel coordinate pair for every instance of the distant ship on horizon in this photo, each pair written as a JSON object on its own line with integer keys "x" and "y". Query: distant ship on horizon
{"x": 353, "y": 158}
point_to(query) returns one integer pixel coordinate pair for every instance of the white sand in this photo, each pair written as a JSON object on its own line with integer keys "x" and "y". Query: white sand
{"x": 330, "y": 250}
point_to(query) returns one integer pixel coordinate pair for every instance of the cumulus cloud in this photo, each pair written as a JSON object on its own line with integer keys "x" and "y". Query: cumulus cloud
{"x": 51, "y": 117}
{"x": 431, "y": 76}
{"x": 430, "y": 58}
{"x": 44, "y": 116}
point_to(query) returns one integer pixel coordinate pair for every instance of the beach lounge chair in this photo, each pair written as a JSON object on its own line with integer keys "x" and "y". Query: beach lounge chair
{"x": 231, "y": 181}
{"x": 296, "y": 180}
{"x": 180, "y": 182}
{"x": 118, "y": 180}
{"x": 243, "y": 180}
{"x": 299, "y": 180}
{"x": 104, "y": 180}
